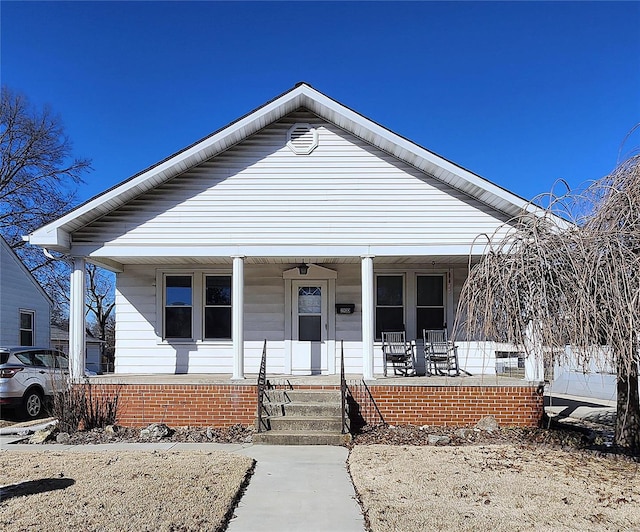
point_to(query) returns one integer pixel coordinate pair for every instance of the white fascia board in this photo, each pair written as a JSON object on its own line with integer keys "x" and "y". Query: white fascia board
{"x": 334, "y": 251}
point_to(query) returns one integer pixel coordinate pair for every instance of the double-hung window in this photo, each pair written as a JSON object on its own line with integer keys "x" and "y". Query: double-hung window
{"x": 430, "y": 311}
{"x": 178, "y": 306}
{"x": 27, "y": 320}
{"x": 389, "y": 303}
{"x": 197, "y": 306}
{"x": 217, "y": 306}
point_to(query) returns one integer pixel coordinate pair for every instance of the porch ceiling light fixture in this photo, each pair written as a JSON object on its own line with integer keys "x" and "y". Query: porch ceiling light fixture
{"x": 303, "y": 269}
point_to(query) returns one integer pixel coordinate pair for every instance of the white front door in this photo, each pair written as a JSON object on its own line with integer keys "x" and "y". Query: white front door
{"x": 309, "y": 327}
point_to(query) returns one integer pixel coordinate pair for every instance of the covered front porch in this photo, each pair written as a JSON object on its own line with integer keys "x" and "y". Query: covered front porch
{"x": 211, "y": 315}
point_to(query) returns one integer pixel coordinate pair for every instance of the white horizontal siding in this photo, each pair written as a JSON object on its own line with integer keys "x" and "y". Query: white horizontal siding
{"x": 260, "y": 193}
{"x": 139, "y": 349}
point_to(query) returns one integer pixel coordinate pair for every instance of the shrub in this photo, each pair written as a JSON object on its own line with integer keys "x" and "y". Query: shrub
{"x": 85, "y": 407}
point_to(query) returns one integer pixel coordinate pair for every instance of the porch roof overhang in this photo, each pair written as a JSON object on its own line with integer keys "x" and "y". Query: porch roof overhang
{"x": 114, "y": 258}
{"x": 57, "y": 235}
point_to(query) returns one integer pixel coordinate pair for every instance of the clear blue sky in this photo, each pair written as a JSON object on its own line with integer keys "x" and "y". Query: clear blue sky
{"x": 519, "y": 93}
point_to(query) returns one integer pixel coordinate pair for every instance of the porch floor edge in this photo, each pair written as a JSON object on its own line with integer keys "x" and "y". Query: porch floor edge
{"x": 487, "y": 381}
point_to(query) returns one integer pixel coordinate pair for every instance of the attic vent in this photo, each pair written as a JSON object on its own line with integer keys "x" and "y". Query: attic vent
{"x": 302, "y": 139}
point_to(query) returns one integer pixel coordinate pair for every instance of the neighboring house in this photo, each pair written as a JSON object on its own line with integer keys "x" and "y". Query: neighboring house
{"x": 60, "y": 341}
{"x": 303, "y": 223}
{"x": 25, "y": 308}
{"x": 596, "y": 379}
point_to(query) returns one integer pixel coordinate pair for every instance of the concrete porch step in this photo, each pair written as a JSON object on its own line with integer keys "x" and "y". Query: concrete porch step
{"x": 305, "y": 423}
{"x": 303, "y": 417}
{"x": 310, "y": 437}
{"x": 313, "y": 396}
{"x": 311, "y": 409}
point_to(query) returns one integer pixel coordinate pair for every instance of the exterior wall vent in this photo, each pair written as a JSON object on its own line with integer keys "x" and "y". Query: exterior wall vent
{"x": 302, "y": 139}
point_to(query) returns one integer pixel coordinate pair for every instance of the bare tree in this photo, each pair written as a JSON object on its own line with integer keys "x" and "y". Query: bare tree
{"x": 569, "y": 277}
{"x": 38, "y": 178}
{"x": 100, "y": 298}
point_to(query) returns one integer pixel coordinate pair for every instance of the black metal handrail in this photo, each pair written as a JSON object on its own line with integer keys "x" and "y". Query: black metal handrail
{"x": 361, "y": 405}
{"x": 262, "y": 385}
{"x": 359, "y": 408}
{"x": 343, "y": 390}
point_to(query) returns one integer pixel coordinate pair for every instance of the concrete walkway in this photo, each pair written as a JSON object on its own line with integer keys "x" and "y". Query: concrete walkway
{"x": 298, "y": 488}
{"x": 293, "y": 488}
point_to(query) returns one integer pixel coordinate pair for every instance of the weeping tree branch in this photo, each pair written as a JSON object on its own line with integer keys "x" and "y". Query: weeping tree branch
{"x": 570, "y": 277}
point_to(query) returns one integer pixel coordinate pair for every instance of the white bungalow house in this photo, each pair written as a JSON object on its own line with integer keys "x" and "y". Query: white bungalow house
{"x": 303, "y": 223}
{"x": 25, "y": 308}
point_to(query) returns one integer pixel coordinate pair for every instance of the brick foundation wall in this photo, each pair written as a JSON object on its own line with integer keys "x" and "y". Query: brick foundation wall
{"x": 519, "y": 406}
{"x": 222, "y": 405}
{"x": 197, "y": 405}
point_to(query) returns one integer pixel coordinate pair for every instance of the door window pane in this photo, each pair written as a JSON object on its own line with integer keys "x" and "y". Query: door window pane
{"x": 310, "y": 313}
{"x": 310, "y": 328}
{"x": 309, "y": 300}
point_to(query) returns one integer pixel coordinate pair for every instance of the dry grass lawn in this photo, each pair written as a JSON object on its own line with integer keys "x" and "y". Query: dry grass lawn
{"x": 494, "y": 487}
{"x": 135, "y": 490}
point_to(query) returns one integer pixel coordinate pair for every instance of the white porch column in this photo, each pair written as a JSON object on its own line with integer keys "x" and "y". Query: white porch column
{"x": 368, "y": 330}
{"x": 77, "y": 323}
{"x": 237, "y": 316}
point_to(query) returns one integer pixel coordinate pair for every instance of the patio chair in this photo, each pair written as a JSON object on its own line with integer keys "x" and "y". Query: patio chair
{"x": 399, "y": 353}
{"x": 441, "y": 354}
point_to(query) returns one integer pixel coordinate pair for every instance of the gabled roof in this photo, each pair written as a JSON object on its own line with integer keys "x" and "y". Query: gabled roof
{"x": 5, "y": 245}
{"x": 56, "y": 235}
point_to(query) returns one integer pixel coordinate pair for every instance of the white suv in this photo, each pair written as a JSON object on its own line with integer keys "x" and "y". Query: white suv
{"x": 28, "y": 375}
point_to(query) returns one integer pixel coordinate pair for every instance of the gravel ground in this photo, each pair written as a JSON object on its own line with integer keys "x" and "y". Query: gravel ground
{"x": 109, "y": 491}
